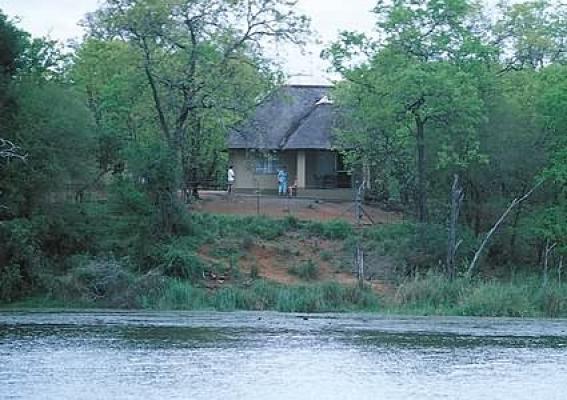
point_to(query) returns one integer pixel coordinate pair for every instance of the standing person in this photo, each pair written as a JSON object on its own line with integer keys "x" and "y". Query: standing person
{"x": 231, "y": 178}
{"x": 282, "y": 181}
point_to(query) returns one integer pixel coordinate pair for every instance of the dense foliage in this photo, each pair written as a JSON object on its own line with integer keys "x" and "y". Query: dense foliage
{"x": 98, "y": 142}
{"x": 133, "y": 116}
{"x": 444, "y": 89}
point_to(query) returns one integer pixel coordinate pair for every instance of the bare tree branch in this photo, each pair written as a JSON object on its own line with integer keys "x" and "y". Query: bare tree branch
{"x": 512, "y": 205}
{"x": 10, "y": 150}
{"x": 153, "y": 86}
{"x": 456, "y": 199}
{"x": 548, "y": 249}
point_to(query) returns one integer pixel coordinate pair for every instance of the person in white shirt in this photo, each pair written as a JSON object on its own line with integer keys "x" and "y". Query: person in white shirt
{"x": 231, "y": 178}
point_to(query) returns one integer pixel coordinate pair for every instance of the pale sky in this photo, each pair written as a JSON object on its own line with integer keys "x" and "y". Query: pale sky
{"x": 59, "y": 18}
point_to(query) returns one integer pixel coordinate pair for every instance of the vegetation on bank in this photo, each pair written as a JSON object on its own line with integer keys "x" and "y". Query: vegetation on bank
{"x": 98, "y": 142}
{"x": 134, "y": 272}
{"x": 432, "y": 295}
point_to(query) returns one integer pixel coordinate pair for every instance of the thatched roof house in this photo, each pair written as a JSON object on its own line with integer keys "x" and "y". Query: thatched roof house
{"x": 292, "y": 127}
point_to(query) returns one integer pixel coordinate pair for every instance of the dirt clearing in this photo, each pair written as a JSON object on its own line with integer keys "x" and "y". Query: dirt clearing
{"x": 280, "y": 207}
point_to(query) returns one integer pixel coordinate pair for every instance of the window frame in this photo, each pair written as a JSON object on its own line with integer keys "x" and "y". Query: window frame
{"x": 266, "y": 164}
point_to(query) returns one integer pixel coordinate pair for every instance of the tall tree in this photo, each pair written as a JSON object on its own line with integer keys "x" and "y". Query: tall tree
{"x": 421, "y": 77}
{"x": 12, "y": 45}
{"x": 116, "y": 93}
{"x": 45, "y": 117}
{"x": 532, "y": 34}
{"x": 194, "y": 54}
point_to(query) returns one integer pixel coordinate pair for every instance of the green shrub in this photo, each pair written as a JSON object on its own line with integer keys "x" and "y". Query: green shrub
{"x": 553, "y": 301}
{"x": 437, "y": 295}
{"x": 261, "y": 227}
{"x": 308, "y": 271}
{"x": 325, "y": 297}
{"x": 415, "y": 247}
{"x": 326, "y": 255}
{"x": 495, "y": 299}
{"x": 179, "y": 261}
{"x": 300, "y": 299}
{"x": 291, "y": 223}
{"x": 263, "y": 295}
{"x": 254, "y": 271}
{"x": 238, "y": 228}
{"x": 11, "y": 283}
{"x": 177, "y": 295}
{"x": 247, "y": 242}
{"x": 21, "y": 258}
{"x": 433, "y": 292}
{"x": 226, "y": 248}
{"x": 333, "y": 230}
{"x": 285, "y": 251}
{"x": 232, "y": 298}
{"x": 127, "y": 198}
{"x": 234, "y": 268}
{"x": 97, "y": 282}
{"x": 66, "y": 229}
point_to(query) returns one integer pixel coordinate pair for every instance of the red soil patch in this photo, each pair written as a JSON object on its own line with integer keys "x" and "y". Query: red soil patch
{"x": 274, "y": 259}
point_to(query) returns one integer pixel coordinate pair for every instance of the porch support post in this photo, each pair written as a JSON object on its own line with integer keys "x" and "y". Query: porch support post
{"x": 301, "y": 175}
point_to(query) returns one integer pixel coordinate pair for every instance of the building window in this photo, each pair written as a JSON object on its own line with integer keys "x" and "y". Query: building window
{"x": 267, "y": 164}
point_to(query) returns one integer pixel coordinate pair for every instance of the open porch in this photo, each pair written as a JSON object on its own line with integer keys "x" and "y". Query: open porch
{"x": 311, "y": 171}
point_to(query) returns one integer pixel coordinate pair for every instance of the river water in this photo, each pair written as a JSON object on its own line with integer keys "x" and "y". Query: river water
{"x": 265, "y": 356}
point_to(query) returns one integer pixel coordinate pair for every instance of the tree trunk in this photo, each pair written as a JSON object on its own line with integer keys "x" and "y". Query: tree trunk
{"x": 456, "y": 200}
{"x": 192, "y": 171}
{"x": 421, "y": 179}
{"x": 477, "y": 218}
{"x": 548, "y": 248}
{"x": 512, "y": 205}
{"x": 514, "y": 233}
{"x": 514, "y": 229}
{"x": 359, "y": 261}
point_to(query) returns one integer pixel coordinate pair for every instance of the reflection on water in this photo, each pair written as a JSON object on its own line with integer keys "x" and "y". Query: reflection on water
{"x": 274, "y": 356}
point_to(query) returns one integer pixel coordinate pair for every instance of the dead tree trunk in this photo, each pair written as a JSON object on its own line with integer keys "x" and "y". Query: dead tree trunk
{"x": 359, "y": 256}
{"x": 560, "y": 269}
{"x": 456, "y": 199}
{"x": 515, "y": 221}
{"x": 491, "y": 232}
{"x": 548, "y": 249}
{"x": 360, "y": 265}
{"x": 10, "y": 150}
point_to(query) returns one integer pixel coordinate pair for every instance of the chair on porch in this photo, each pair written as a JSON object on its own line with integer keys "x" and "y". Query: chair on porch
{"x": 292, "y": 189}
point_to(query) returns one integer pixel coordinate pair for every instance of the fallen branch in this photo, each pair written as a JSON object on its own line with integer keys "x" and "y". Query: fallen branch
{"x": 548, "y": 249}
{"x": 456, "y": 199}
{"x": 10, "y": 150}
{"x": 515, "y": 202}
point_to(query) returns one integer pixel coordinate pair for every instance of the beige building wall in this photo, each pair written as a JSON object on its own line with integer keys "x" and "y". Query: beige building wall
{"x": 319, "y": 168}
{"x": 244, "y": 163}
{"x": 316, "y": 165}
